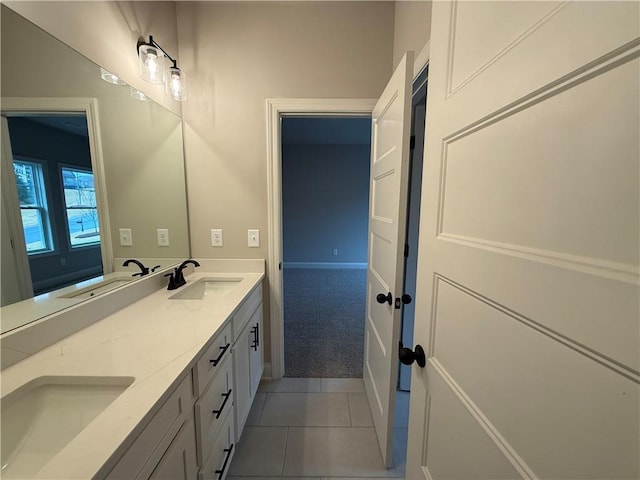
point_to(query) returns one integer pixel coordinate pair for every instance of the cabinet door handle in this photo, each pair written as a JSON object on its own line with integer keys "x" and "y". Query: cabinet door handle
{"x": 216, "y": 361}
{"x": 226, "y": 460}
{"x": 256, "y": 337}
{"x": 224, "y": 402}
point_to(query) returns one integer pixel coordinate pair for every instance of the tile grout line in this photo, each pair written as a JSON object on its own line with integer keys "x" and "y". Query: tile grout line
{"x": 264, "y": 404}
{"x": 284, "y": 456}
{"x": 349, "y": 409}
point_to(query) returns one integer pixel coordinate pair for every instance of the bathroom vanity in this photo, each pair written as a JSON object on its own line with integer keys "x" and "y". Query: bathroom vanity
{"x": 159, "y": 389}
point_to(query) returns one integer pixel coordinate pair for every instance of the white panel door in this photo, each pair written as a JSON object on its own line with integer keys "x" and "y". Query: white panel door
{"x": 528, "y": 271}
{"x": 387, "y": 219}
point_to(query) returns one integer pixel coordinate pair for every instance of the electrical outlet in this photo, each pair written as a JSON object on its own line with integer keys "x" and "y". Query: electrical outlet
{"x": 216, "y": 237}
{"x": 163, "y": 237}
{"x": 254, "y": 238}
{"x": 126, "y": 237}
{"x": 335, "y": 252}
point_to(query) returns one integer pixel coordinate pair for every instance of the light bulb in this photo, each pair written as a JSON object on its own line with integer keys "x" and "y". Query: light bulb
{"x": 152, "y": 63}
{"x": 176, "y": 84}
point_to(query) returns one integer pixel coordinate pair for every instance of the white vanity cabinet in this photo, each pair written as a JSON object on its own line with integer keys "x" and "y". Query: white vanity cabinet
{"x": 248, "y": 360}
{"x": 194, "y": 434}
{"x": 168, "y": 438}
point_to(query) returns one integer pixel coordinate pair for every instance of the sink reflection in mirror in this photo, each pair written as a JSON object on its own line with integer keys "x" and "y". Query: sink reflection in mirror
{"x": 142, "y": 170}
{"x": 41, "y": 417}
{"x": 206, "y": 288}
{"x": 94, "y": 289}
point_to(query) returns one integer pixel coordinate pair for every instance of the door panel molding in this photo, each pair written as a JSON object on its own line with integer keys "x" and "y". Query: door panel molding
{"x": 493, "y": 434}
{"x": 501, "y": 53}
{"x": 531, "y": 334}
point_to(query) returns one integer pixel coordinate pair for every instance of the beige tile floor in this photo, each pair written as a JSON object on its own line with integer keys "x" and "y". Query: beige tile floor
{"x": 315, "y": 428}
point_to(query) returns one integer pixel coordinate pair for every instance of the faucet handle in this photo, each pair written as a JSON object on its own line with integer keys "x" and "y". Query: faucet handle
{"x": 153, "y": 269}
{"x": 172, "y": 283}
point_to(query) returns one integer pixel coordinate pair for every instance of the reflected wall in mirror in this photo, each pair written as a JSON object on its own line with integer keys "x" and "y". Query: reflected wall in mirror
{"x": 136, "y": 163}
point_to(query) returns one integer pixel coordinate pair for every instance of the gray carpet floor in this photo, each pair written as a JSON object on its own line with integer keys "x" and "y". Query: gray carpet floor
{"x": 324, "y": 312}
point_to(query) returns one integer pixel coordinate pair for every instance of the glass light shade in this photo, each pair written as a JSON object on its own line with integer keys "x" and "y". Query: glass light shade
{"x": 110, "y": 77}
{"x": 176, "y": 84}
{"x": 138, "y": 95}
{"x": 152, "y": 63}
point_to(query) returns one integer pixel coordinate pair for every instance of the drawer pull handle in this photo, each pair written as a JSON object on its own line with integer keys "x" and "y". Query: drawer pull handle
{"x": 226, "y": 460}
{"x": 216, "y": 361}
{"x": 224, "y": 402}
{"x": 256, "y": 337}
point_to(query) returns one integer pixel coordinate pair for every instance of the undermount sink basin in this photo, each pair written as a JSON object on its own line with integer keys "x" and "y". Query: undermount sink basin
{"x": 98, "y": 288}
{"x": 41, "y": 417}
{"x": 206, "y": 287}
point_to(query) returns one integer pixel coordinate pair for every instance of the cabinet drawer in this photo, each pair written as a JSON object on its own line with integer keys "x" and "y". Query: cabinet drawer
{"x": 213, "y": 408}
{"x": 221, "y": 455}
{"x": 246, "y": 310}
{"x": 211, "y": 361}
{"x": 147, "y": 449}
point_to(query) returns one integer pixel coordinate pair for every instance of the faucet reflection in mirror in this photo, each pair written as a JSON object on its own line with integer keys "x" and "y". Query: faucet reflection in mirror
{"x": 153, "y": 69}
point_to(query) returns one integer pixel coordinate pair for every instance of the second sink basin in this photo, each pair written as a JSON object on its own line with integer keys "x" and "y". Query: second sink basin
{"x": 206, "y": 287}
{"x": 40, "y": 418}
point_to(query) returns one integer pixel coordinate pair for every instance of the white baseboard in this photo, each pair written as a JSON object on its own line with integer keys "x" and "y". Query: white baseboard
{"x": 324, "y": 265}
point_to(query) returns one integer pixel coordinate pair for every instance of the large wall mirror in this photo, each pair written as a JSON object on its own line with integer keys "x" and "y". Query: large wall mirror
{"x": 91, "y": 175}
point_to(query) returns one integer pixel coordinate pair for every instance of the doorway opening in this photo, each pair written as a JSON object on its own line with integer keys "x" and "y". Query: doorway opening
{"x": 55, "y": 229}
{"x": 56, "y": 194}
{"x": 325, "y": 206}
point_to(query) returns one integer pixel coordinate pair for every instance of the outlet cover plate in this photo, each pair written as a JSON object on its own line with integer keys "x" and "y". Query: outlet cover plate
{"x": 126, "y": 237}
{"x": 163, "y": 237}
{"x": 216, "y": 237}
{"x": 254, "y": 238}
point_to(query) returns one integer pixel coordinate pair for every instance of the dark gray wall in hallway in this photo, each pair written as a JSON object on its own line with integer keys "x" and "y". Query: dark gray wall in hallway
{"x": 325, "y": 198}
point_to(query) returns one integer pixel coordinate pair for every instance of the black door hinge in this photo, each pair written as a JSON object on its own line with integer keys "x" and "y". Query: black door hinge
{"x": 406, "y": 250}
{"x": 280, "y": 266}
{"x": 412, "y": 142}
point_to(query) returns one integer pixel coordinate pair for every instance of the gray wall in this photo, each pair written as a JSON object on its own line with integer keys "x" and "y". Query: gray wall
{"x": 325, "y": 198}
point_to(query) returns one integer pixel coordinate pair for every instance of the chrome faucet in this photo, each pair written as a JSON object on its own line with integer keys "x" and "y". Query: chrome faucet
{"x": 143, "y": 270}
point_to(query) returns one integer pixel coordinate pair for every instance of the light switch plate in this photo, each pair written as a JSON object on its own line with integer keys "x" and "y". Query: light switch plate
{"x": 126, "y": 237}
{"x": 254, "y": 238}
{"x": 163, "y": 237}
{"x": 216, "y": 237}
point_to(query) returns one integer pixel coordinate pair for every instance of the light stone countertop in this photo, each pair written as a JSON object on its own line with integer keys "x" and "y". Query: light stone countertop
{"x": 155, "y": 340}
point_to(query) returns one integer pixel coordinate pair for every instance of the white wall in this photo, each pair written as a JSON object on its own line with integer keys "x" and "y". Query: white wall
{"x": 412, "y": 28}
{"x": 241, "y": 53}
{"x": 141, "y": 141}
{"x": 107, "y": 32}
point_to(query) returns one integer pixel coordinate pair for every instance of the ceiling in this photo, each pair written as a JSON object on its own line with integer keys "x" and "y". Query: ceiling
{"x": 74, "y": 124}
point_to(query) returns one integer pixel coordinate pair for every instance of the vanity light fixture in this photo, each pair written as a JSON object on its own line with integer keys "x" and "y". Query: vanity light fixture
{"x": 153, "y": 69}
{"x": 110, "y": 77}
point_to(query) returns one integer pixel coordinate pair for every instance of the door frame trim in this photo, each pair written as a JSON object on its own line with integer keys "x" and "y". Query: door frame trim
{"x": 88, "y": 106}
{"x": 276, "y": 109}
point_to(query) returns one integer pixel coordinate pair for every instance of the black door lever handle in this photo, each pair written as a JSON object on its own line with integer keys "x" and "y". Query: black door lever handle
{"x": 408, "y": 356}
{"x": 382, "y": 298}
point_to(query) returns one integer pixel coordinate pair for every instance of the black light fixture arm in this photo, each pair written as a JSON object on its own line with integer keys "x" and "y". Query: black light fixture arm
{"x": 155, "y": 44}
